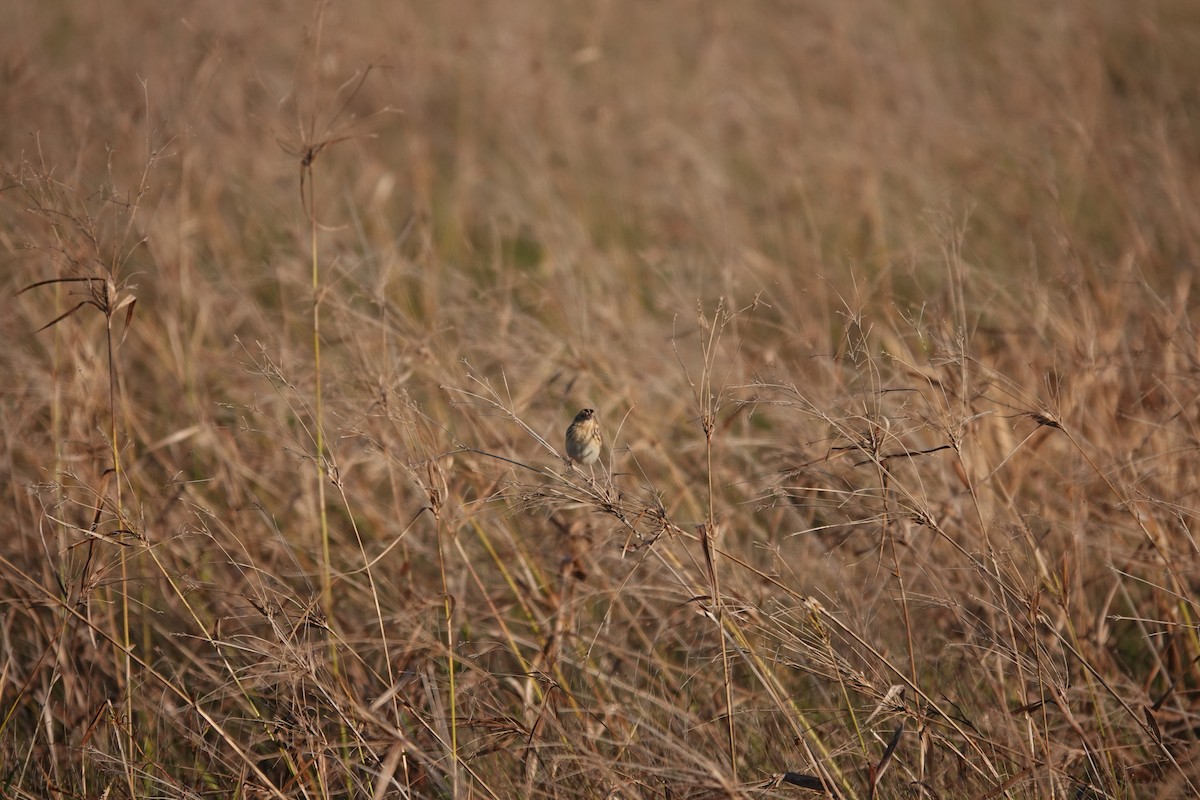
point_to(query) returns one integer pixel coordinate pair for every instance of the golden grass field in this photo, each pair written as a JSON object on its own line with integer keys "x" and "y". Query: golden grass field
{"x": 885, "y": 309}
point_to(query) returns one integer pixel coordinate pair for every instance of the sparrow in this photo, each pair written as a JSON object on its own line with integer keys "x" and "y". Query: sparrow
{"x": 584, "y": 439}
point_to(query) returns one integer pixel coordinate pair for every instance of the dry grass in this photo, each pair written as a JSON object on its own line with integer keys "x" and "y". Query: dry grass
{"x": 886, "y": 312}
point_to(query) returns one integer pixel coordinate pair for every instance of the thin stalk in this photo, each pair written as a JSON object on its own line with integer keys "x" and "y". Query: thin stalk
{"x": 448, "y": 608}
{"x": 890, "y": 534}
{"x": 319, "y": 405}
{"x": 320, "y": 461}
{"x": 710, "y": 531}
{"x": 126, "y": 640}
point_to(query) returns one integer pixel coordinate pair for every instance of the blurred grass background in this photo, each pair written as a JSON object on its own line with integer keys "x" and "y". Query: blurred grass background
{"x": 885, "y": 308}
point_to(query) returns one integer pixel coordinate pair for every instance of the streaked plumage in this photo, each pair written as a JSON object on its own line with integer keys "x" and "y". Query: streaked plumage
{"x": 584, "y": 439}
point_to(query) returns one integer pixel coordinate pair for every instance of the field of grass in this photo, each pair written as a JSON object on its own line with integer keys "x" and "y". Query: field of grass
{"x": 885, "y": 309}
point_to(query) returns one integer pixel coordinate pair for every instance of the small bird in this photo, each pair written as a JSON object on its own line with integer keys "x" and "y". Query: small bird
{"x": 584, "y": 439}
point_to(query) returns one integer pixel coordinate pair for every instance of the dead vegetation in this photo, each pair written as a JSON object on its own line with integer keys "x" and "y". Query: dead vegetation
{"x": 885, "y": 312}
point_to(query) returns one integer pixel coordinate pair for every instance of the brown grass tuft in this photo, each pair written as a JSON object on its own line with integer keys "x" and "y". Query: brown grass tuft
{"x": 885, "y": 312}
